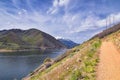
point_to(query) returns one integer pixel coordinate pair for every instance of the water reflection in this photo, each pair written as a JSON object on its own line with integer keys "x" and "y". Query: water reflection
{"x": 16, "y": 65}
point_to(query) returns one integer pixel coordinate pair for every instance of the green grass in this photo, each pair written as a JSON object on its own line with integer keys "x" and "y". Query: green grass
{"x": 33, "y": 41}
{"x": 86, "y": 68}
{"x": 11, "y": 46}
{"x": 76, "y": 74}
{"x": 90, "y": 60}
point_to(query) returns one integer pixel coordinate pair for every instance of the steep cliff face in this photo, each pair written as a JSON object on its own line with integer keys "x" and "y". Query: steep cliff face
{"x": 27, "y": 39}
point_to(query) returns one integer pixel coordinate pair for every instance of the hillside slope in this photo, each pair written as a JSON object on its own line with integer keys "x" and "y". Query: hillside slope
{"x": 16, "y": 39}
{"x": 68, "y": 43}
{"x": 80, "y": 62}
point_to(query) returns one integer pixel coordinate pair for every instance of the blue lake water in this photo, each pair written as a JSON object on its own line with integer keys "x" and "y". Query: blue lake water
{"x": 16, "y": 65}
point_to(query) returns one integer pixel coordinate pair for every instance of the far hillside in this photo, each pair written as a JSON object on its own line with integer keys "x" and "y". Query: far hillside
{"x": 17, "y": 39}
{"x": 68, "y": 43}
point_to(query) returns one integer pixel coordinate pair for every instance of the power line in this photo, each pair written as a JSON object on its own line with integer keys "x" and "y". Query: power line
{"x": 106, "y": 23}
{"x": 110, "y": 21}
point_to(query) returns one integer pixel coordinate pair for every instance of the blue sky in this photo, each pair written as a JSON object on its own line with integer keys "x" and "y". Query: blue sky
{"x": 77, "y": 20}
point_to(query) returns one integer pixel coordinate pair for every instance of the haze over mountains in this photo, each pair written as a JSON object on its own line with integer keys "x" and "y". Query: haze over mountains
{"x": 17, "y": 39}
{"x": 68, "y": 43}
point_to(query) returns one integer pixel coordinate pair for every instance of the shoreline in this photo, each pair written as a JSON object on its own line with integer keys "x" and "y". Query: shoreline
{"x": 5, "y": 50}
{"x": 46, "y": 65}
{"x": 9, "y": 50}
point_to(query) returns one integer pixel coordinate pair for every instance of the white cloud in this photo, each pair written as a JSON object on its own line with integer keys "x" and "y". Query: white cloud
{"x": 57, "y": 4}
{"x": 77, "y": 24}
{"x": 63, "y": 2}
{"x": 111, "y": 19}
{"x": 65, "y": 24}
{"x": 58, "y": 37}
{"x": 22, "y": 20}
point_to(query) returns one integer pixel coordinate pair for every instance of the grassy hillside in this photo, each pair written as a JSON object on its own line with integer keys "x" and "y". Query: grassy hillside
{"x": 16, "y": 39}
{"x": 78, "y": 63}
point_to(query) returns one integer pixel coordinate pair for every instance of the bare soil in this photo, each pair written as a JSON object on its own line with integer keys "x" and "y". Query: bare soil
{"x": 109, "y": 65}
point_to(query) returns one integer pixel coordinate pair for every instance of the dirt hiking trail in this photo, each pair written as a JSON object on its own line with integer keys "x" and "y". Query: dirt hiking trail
{"x": 109, "y": 65}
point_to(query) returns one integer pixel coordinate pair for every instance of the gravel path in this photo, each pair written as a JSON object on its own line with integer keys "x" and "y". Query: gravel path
{"x": 109, "y": 65}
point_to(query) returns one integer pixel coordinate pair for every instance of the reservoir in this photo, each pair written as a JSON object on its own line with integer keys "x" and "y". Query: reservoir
{"x": 16, "y": 65}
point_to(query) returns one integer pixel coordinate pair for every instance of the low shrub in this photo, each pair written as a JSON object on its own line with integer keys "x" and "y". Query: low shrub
{"x": 47, "y": 60}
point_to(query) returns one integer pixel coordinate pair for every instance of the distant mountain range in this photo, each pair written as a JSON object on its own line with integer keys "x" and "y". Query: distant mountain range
{"x": 68, "y": 43}
{"x": 17, "y": 39}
